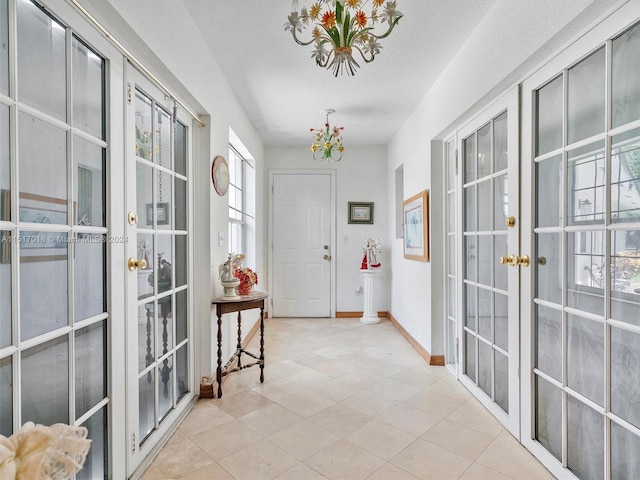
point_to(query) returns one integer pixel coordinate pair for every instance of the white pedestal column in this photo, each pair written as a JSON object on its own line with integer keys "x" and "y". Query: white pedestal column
{"x": 370, "y": 316}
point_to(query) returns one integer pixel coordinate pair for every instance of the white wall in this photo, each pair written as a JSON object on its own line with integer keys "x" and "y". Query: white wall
{"x": 512, "y": 40}
{"x": 361, "y": 176}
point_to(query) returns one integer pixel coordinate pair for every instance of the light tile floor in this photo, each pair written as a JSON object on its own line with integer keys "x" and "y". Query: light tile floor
{"x": 342, "y": 400}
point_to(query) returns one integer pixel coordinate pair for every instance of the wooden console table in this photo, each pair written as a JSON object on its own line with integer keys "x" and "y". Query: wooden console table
{"x": 255, "y": 299}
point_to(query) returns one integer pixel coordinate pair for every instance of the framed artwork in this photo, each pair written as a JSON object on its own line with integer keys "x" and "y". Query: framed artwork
{"x": 416, "y": 227}
{"x": 220, "y": 175}
{"x": 162, "y": 213}
{"x": 361, "y": 212}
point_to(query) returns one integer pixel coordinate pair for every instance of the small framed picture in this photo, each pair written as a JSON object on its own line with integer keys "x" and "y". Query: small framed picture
{"x": 361, "y": 212}
{"x": 416, "y": 227}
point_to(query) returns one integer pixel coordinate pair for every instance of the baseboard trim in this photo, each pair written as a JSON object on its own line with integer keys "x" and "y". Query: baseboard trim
{"x": 436, "y": 360}
{"x": 358, "y": 314}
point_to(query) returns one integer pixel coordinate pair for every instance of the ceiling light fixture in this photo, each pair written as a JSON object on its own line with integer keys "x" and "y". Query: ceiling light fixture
{"x": 327, "y": 144}
{"x": 341, "y": 28}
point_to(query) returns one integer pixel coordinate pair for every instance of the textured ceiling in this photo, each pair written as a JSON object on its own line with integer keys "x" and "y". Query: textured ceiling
{"x": 284, "y": 92}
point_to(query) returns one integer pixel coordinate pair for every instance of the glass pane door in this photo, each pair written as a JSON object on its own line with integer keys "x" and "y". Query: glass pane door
{"x": 451, "y": 335}
{"x": 158, "y": 320}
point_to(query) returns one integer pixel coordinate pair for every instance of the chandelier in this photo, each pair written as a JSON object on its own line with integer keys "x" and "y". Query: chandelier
{"x": 327, "y": 143}
{"x": 341, "y": 28}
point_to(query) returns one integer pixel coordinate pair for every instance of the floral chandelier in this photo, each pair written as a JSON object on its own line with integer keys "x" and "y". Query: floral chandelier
{"x": 341, "y": 28}
{"x": 327, "y": 144}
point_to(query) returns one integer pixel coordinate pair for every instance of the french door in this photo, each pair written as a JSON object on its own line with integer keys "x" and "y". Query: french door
{"x": 158, "y": 323}
{"x": 491, "y": 260}
{"x": 581, "y": 159}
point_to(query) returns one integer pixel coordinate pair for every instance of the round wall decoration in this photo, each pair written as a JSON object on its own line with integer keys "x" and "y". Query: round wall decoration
{"x": 220, "y": 175}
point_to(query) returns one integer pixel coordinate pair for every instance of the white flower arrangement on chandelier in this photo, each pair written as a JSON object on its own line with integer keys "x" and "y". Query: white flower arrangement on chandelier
{"x": 341, "y": 27}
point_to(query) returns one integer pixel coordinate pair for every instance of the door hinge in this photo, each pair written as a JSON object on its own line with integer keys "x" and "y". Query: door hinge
{"x": 133, "y": 442}
{"x": 129, "y": 93}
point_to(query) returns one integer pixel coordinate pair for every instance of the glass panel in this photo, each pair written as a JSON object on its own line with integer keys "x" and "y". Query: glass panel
{"x": 5, "y": 164}
{"x": 182, "y": 371}
{"x": 585, "y": 357}
{"x": 625, "y": 87}
{"x": 182, "y": 323}
{"x": 181, "y": 260}
{"x": 548, "y": 194}
{"x": 144, "y": 192}
{"x": 586, "y": 196}
{"x": 585, "y": 275}
{"x": 470, "y": 248}
{"x": 549, "y": 101}
{"x": 43, "y": 154}
{"x": 501, "y": 321}
{"x": 451, "y": 296}
{"x": 585, "y": 441}
{"x": 45, "y": 383}
{"x": 470, "y": 208}
{"x": 451, "y": 212}
{"x": 163, "y": 205}
{"x": 5, "y": 289}
{"x": 181, "y": 204}
{"x": 500, "y": 142}
{"x": 585, "y": 107}
{"x": 625, "y": 177}
{"x": 6, "y": 397}
{"x": 165, "y": 387}
{"x": 143, "y": 127}
{"x": 4, "y": 52}
{"x": 548, "y": 267}
{"x": 89, "y": 165}
{"x": 41, "y": 61}
{"x": 548, "y": 341}
{"x": 625, "y": 275}
{"x": 500, "y": 274}
{"x": 625, "y": 372}
{"x": 91, "y": 367}
{"x": 500, "y": 201}
{"x": 469, "y": 148}
{"x": 549, "y": 417}
{"x": 451, "y": 165}
{"x": 88, "y": 94}
{"x": 95, "y": 465}
{"x": 235, "y": 203}
{"x": 236, "y": 238}
{"x": 470, "y": 356}
{"x": 484, "y": 368}
{"x": 180, "y": 149}
{"x": 164, "y": 258}
{"x": 146, "y": 345}
{"x": 485, "y": 196}
{"x": 470, "y": 318}
{"x": 146, "y": 404}
{"x": 164, "y": 328}
{"x": 484, "y": 313}
{"x": 451, "y": 255}
{"x": 451, "y": 342}
{"x": 163, "y": 138}
{"x": 625, "y": 453}
{"x": 89, "y": 274}
{"x": 43, "y": 283}
{"x": 501, "y": 374}
{"x": 145, "y": 276}
{"x": 485, "y": 262}
{"x": 484, "y": 151}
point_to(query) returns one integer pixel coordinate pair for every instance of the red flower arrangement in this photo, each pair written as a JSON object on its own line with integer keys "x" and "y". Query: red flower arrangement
{"x": 248, "y": 278}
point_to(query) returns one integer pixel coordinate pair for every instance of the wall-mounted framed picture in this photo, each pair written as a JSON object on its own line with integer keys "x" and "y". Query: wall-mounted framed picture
{"x": 416, "y": 227}
{"x": 361, "y": 212}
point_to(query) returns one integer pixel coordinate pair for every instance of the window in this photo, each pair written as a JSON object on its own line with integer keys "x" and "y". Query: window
{"x": 240, "y": 173}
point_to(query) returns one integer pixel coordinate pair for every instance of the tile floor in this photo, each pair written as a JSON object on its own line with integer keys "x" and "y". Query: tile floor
{"x": 342, "y": 400}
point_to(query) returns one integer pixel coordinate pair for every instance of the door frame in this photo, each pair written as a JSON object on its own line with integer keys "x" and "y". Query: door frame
{"x": 332, "y": 235}
{"x": 508, "y": 102}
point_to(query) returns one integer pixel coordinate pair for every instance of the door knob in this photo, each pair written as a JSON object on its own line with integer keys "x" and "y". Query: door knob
{"x": 327, "y": 257}
{"x": 524, "y": 260}
{"x": 511, "y": 260}
{"x": 326, "y": 247}
{"x": 132, "y": 218}
{"x": 137, "y": 264}
{"x": 510, "y": 222}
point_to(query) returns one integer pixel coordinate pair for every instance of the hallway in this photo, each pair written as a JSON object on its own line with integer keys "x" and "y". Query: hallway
{"x": 342, "y": 400}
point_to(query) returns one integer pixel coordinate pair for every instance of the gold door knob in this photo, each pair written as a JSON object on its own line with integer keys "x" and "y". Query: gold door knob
{"x": 514, "y": 260}
{"x": 132, "y": 218}
{"x": 137, "y": 264}
{"x": 524, "y": 260}
{"x": 503, "y": 260}
{"x": 510, "y": 222}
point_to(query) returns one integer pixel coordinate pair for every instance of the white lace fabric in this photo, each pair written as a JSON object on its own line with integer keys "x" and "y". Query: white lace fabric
{"x": 38, "y": 452}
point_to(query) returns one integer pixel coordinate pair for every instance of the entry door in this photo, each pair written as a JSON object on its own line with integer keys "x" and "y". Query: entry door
{"x": 302, "y": 242}
{"x": 489, "y": 330}
{"x": 158, "y": 305}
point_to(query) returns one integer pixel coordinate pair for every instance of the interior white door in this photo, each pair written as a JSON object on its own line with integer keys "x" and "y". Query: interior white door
{"x": 490, "y": 325}
{"x": 302, "y": 259}
{"x": 158, "y": 287}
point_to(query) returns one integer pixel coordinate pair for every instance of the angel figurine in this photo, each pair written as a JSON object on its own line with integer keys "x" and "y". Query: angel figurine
{"x": 371, "y": 249}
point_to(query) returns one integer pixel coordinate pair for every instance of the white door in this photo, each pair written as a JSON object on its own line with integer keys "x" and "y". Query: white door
{"x": 490, "y": 270}
{"x": 158, "y": 305}
{"x": 581, "y": 299}
{"x": 302, "y": 241}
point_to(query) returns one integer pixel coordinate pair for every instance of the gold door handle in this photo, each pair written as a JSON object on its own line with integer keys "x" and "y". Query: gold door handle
{"x": 137, "y": 264}
{"x": 327, "y": 257}
{"x": 524, "y": 260}
{"x": 510, "y": 222}
{"x": 503, "y": 260}
{"x": 511, "y": 260}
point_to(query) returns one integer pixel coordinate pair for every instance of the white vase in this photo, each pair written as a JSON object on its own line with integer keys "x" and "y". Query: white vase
{"x": 230, "y": 289}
